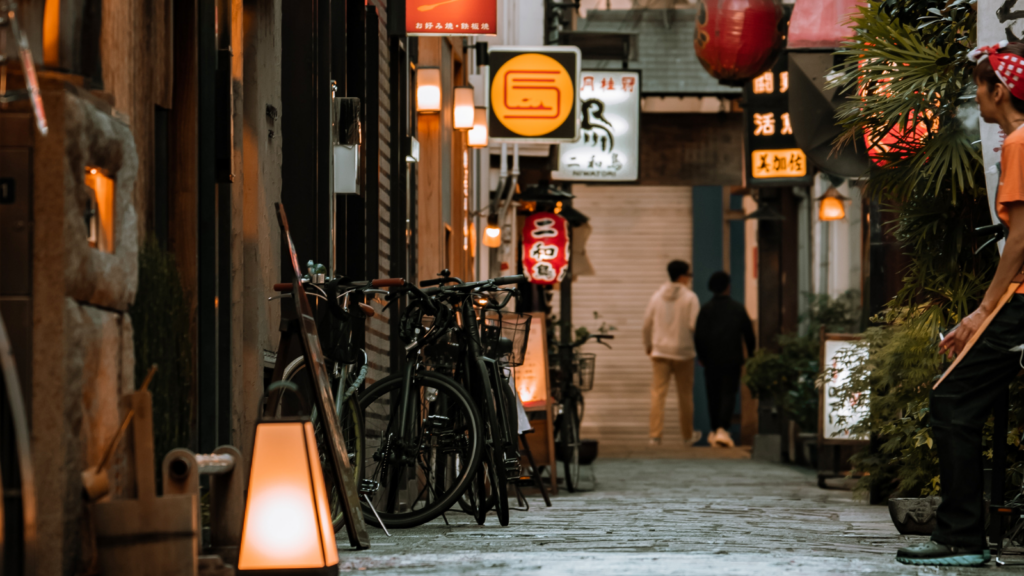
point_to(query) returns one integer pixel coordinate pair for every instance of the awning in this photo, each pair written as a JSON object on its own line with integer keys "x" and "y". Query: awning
{"x": 817, "y": 24}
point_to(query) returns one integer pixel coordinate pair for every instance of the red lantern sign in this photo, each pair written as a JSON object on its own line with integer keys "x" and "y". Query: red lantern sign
{"x": 738, "y": 39}
{"x": 545, "y": 248}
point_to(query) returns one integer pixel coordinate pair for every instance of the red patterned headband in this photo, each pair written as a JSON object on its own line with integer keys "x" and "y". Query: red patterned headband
{"x": 1009, "y": 68}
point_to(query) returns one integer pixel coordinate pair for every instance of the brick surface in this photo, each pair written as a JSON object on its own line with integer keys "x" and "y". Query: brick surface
{"x": 691, "y": 517}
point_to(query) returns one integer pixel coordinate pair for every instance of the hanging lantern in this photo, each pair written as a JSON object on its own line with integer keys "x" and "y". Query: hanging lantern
{"x": 545, "y": 248}
{"x": 736, "y": 40}
{"x": 287, "y": 524}
{"x": 492, "y": 234}
{"x": 428, "y": 90}
{"x": 464, "y": 111}
{"x": 832, "y": 205}
{"x": 478, "y": 137}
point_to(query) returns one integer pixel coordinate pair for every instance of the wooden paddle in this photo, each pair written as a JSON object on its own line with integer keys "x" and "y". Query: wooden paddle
{"x": 1010, "y": 291}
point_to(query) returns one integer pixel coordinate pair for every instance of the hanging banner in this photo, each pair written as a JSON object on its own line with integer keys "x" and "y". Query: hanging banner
{"x": 773, "y": 156}
{"x": 451, "y": 17}
{"x": 995, "y": 23}
{"x": 608, "y": 149}
{"x": 545, "y": 248}
{"x": 534, "y": 94}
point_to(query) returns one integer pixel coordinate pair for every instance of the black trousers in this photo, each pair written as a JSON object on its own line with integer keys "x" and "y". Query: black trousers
{"x": 959, "y": 408}
{"x": 722, "y": 382}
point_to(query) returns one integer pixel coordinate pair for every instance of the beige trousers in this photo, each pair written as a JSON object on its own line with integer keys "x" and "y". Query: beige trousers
{"x": 683, "y": 372}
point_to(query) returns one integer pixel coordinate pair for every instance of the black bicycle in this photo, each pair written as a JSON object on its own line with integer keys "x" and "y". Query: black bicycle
{"x": 568, "y": 392}
{"x": 425, "y": 437}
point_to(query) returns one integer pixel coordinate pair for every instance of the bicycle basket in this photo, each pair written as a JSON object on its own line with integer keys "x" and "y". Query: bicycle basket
{"x": 495, "y": 325}
{"x": 584, "y": 377}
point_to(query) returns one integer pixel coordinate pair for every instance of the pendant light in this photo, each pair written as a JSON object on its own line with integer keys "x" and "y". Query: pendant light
{"x": 478, "y": 136}
{"x": 428, "y": 90}
{"x": 832, "y": 205}
{"x": 464, "y": 111}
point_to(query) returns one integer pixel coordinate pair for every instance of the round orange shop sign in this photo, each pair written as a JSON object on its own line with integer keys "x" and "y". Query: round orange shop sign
{"x": 533, "y": 96}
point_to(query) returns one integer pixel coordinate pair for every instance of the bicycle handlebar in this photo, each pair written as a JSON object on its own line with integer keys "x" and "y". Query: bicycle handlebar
{"x": 387, "y": 282}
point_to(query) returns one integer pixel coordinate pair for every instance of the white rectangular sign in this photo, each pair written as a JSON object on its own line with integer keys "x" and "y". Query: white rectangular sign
{"x": 608, "y": 148}
{"x": 854, "y": 410}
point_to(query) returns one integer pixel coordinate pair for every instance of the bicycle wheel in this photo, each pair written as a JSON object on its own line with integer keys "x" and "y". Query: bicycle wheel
{"x": 422, "y": 474}
{"x": 570, "y": 435}
{"x": 351, "y": 422}
{"x": 508, "y": 420}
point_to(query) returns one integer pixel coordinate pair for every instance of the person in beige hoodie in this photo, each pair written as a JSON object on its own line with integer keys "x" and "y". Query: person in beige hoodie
{"x": 669, "y": 323}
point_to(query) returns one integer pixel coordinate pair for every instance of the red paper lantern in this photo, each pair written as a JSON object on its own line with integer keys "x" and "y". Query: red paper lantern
{"x": 738, "y": 39}
{"x": 545, "y": 248}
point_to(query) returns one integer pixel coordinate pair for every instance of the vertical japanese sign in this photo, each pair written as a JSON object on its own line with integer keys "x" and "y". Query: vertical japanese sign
{"x": 545, "y": 248}
{"x": 534, "y": 94}
{"x": 773, "y": 156}
{"x": 451, "y": 17}
{"x": 608, "y": 149}
{"x": 997, "y": 21}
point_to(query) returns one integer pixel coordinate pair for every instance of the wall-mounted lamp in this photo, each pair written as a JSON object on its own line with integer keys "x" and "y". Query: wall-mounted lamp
{"x": 465, "y": 113}
{"x": 832, "y": 205}
{"x": 287, "y": 524}
{"x": 492, "y": 234}
{"x": 428, "y": 90}
{"x": 478, "y": 136}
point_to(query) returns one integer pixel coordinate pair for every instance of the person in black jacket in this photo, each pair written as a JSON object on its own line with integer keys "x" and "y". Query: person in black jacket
{"x": 723, "y": 327}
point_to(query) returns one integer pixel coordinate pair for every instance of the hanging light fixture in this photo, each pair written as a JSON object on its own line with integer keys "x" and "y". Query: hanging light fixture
{"x": 465, "y": 113}
{"x": 832, "y": 205}
{"x": 287, "y": 524}
{"x": 478, "y": 136}
{"x": 492, "y": 234}
{"x": 428, "y": 90}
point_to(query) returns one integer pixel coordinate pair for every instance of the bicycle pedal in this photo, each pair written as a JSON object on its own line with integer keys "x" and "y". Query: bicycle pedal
{"x": 512, "y": 466}
{"x": 436, "y": 421}
{"x": 524, "y": 481}
{"x": 368, "y": 486}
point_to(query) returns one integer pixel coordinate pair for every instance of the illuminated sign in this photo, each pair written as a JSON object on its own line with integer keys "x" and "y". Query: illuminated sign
{"x": 451, "y": 17}
{"x": 788, "y": 163}
{"x": 775, "y": 157}
{"x": 534, "y": 94}
{"x": 608, "y": 148}
{"x": 545, "y": 248}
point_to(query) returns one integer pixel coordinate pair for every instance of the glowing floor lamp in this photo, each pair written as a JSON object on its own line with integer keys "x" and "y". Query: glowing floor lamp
{"x": 287, "y": 528}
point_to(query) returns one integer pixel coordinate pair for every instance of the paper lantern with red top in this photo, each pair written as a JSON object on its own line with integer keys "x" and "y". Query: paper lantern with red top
{"x": 738, "y": 39}
{"x": 545, "y": 248}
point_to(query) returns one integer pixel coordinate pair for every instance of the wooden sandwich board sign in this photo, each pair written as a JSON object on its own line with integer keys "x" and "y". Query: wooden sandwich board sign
{"x": 336, "y": 451}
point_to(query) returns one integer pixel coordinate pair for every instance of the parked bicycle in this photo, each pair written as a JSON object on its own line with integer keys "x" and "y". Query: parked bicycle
{"x": 568, "y": 392}
{"x": 343, "y": 314}
{"x": 429, "y": 428}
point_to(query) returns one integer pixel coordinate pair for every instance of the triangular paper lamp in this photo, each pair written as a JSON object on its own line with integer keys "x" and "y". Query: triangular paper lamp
{"x": 287, "y": 528}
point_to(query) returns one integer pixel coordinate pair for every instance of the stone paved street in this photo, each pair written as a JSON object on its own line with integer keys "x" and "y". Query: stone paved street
{"x": 665, "y": 516}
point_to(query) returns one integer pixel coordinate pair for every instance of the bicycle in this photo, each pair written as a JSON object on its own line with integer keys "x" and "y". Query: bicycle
{"x": 427, "y": 429}
{"x": 345, "y": 314}
{"x": 569, "y": 394}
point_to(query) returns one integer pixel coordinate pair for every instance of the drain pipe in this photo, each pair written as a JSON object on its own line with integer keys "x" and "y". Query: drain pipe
{"x": 512, "y": 187}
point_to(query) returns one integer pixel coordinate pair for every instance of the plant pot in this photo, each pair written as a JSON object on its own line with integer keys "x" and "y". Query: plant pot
{"x": 914, "y": 515}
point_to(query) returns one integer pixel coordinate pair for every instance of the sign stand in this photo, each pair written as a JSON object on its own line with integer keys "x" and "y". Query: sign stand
{"x": 830, "y": 464}
{"x": 337, "y": 454}
{"x": 533, "y": 387}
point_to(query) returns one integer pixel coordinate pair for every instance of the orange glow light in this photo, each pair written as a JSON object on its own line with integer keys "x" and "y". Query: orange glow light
{"x": 465, "y": 112}
{"x": 478, "y": 136}
{"x": 287, "y": 521}
{"x": 428, "y": 90}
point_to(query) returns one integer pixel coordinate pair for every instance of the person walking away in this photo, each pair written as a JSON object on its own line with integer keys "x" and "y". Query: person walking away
{"x": 669, "y": 322}
{"x": 723, "y": 328}
{"x": 962, "y": 403}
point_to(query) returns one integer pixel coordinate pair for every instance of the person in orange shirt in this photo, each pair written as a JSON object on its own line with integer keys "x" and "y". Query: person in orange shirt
{"x": 961, "y": 404}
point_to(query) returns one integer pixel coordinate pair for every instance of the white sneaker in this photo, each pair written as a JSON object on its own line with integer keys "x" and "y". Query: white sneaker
{"x": 654, "y": 442}
{"x": 694, "y": 438}
{"x": 712, "y": 439}
{"x": 722, "y": 437}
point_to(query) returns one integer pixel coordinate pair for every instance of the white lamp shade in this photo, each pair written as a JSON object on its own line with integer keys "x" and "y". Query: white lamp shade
{"x": 478, "y": 136}
{"x": 465, "y": 113}
{"x": 428, "y": 90}
{"x": 287, "y": 522}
